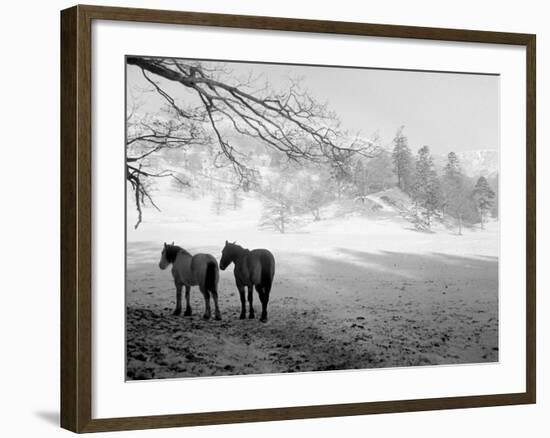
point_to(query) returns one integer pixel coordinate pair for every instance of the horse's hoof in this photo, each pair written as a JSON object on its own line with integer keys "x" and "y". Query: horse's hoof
{"x": 205, "y": 316}
{"x": 176, "y": 312}
{"x": 243, "y": 316}
{"x": 263, "y": 319}
{"x": 251, "y": 316}
{"x": 218, "y": 317}
{"x": 187, "y": 312}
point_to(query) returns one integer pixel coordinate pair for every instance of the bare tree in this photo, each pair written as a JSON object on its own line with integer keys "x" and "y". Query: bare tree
{"x": 144, "y": 137}
{"x": 291, "y": 121}
{"x": 278, "y": 214}
{"x": 219, "y": 201}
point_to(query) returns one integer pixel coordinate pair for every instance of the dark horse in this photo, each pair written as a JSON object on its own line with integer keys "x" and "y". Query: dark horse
{"x": 188, "y": 270}
{"x": 252, "y": 268}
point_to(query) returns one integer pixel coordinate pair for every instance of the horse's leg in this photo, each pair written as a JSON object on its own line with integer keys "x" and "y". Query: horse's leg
{"x": 177, "y": 311}
{"x": 250, "y": 304}
{"x": 243, "y": 301}
{"x": 217, "y": 313}
{"x": 187, "y": 304}
{"x": 206, "y": 295}
{"x": 264, "y": 298}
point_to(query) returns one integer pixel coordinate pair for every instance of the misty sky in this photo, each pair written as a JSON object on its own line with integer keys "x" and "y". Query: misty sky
{"x": 446, "y": 111}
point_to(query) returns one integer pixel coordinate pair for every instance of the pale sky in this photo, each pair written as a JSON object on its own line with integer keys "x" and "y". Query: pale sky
{"x": 446, "y": 111}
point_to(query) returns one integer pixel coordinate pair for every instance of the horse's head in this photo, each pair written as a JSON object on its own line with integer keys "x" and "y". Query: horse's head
{"x": 228, "y": 255}
{"x": 166, "y": 256}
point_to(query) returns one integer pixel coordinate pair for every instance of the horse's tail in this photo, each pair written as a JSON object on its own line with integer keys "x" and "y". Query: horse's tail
{"x": 267, "y": 261}
{"x": 210, "y": 277}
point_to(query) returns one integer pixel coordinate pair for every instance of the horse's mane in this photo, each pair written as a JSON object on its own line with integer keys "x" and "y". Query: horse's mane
{"x": 172, "y": 251}
{"x": 238, "y": 249}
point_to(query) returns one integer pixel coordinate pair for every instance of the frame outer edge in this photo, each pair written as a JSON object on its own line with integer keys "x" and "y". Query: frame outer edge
{"x": 68, "y": 231}
{"x": 531, "y": 217}
{"x": 303, "y": 25}
{"x": 76, "y": 220}
{"x": 76, "y": 205}
{"x": 83, "y": 256}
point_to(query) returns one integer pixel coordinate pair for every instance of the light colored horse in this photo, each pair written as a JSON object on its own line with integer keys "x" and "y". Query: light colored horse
{"x": 192, "y": 270}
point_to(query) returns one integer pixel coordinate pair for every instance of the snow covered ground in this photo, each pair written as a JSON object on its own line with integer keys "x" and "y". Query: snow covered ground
{"x": 354, "y": 290}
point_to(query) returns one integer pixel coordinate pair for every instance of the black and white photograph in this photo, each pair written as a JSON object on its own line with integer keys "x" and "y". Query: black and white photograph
{"x": 287, "y": 218}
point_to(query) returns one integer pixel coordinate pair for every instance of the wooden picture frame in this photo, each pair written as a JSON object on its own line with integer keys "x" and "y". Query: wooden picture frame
{"x": 76, "y": 218}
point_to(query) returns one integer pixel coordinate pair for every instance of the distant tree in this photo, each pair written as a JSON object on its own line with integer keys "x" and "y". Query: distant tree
{"x": 427, "y": 190}
{"x": 341, "y": 173}
{"x": 379, "y": 174}
{"x": 219, "y": 201}
{"x": 277, "y": 214}
{"x": 279, "y": 209}
{"x": 360, "y": 180}
{"x": 484, "y": 197}
{"x": 493, "y": 183}
{"x": 403, "y": 162}
{"x": 310, "y": 192}
{"x": 456, "y": 198}
{"x": 316, "y": 199}
{"x": 373, "y": 175}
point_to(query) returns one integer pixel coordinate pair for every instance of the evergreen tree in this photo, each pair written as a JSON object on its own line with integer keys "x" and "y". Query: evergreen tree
{"x": 379, "y": 174}
{"x": 360, "y": 180}
{"x": 403, "y": 163}
{"x": 493, "y": 183}
{"x": 484, "y": 198}
{"x": 427, "y": 188}
{"x": 455, "y": 193}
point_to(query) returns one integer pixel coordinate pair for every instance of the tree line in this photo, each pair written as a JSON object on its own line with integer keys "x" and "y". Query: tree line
{"x": 451, "y": 194}
{"x": 313, "y": 161}
{"x": 292, "y": 193}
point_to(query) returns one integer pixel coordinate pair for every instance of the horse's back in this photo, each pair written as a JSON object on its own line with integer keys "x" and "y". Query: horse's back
{"x": 264, "y": 267}
{"x": 201, "y": 264}
{"x": 182, "y": 269}
{"x": 204, "y": 259}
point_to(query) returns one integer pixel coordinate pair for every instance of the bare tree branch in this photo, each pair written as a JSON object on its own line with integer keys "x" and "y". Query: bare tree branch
{"x": 146, "y": 137}
{"x": 290, "y": 122}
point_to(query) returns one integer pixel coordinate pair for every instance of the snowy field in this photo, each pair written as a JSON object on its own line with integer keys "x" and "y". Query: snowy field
{"x": 354, "y": 290}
